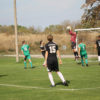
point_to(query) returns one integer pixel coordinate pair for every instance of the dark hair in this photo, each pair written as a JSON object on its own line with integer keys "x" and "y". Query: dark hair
{"x": 41, "y": 42}
{"x": 99, "y": 36}
{"x": 50, "y": 38}
{"x": 80, "y": 40}
{"x": 23, "y": 41}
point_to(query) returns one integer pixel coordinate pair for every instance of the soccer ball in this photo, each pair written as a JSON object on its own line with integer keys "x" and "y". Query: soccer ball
{"x": 68, "y": 28}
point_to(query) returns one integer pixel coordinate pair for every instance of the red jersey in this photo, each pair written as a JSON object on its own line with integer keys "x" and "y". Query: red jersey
{"x": 73, "y": 36}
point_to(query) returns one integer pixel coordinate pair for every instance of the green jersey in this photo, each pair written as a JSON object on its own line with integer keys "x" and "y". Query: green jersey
{"x": 82, "y": 49}
{"x": 25, "y": 49}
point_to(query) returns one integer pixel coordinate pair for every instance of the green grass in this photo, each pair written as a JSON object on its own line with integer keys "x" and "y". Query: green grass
{"x": 12, "y": 73}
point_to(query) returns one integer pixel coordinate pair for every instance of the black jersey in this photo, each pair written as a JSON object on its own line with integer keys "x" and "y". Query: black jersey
{"x": 98, "y": 44}
{"x": 43, "y": 50}
{"x": 52, "y": 48}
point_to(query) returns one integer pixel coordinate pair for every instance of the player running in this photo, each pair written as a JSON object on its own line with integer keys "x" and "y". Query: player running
{"x": 51, "y": 61}
{"x": 42, "y": 47}
{"x": 25, "y": 51}
{"x": 97, "y": 45}
{"x": 73, "y": 42}
{"x": 83, "y": 52}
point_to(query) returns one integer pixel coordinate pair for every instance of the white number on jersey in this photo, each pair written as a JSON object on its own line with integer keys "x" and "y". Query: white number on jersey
{"x": 25, "y": 49}
{"x": 52, "y": 49}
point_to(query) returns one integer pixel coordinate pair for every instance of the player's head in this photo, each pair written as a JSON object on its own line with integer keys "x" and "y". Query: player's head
{"x": 50, "y": 38}
{"x": 23, "y": 42}
{"x": 80, "y": 40}
{"x": 99, "y": 37}
{"x": 41, "y": 42}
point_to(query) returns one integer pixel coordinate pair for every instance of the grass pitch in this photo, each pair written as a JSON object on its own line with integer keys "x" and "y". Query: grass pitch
{"x": 17, "y": 83}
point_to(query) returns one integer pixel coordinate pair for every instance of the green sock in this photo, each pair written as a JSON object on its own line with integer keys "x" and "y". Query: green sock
{"x": 86, "y": 61}
{"x": 25, "y": 64}
{"x": 31, "y": 64}
{"x": 82, "y": 62}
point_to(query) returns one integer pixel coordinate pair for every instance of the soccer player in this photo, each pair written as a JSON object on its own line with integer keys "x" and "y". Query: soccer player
{"x": 83, "y": 52}
{"x": 51, "y": 61}
{"x": 97, "y": 45}
{"x": 73, "y": 42}
{"x": 25, "y": 51}
{"x": 42, "y": 47}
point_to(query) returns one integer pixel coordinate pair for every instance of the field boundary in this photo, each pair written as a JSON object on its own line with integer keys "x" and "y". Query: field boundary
{"x": 41, "y": 88}
{"x": 40, "y": 56}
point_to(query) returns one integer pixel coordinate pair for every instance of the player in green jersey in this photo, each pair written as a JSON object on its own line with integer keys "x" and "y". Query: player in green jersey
{"x": 83, "y": 52}
{"x": 25, "y": 51}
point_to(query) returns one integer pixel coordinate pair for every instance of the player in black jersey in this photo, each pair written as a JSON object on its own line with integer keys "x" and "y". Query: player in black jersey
{"x": 52, "y": 61}
{"x": 42, "y": 47}
{"x": 97, "y": 45}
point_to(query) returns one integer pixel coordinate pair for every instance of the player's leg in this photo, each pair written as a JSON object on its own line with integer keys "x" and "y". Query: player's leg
{"x": 82, "y": 61}
{"x": 86, "y": 59}
{"x": 29, "y": 57}
{"x": 75, "y": 51}
{"x": 51, "y": 79}
{"x": 25, "y": 65}
{"x": 99, "y": 56}
{"x": 49, "y": 69}
{"x": 62, "y": 78}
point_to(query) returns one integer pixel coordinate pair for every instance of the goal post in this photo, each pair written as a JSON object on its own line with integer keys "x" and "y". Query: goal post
{"x": 89, "y": 36}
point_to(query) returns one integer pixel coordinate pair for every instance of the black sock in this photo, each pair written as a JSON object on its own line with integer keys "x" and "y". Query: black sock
{"x": 76, "y": 53}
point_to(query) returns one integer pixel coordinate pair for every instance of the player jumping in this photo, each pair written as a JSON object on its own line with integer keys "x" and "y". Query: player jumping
{"x": 25, "y": 51}
{"x": 73, "y": 42}
{"x": 52, "y": 61}
{"x": 83, "y": 52}
{"x": 97, "y": 45}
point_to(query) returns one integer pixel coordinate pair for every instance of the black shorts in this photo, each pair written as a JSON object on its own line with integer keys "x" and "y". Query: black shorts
{"x": 52, "y": 64}
{"x": 43, "y": 53}
{"x": 98, "y": 52}
{"x": 73, "y": 45}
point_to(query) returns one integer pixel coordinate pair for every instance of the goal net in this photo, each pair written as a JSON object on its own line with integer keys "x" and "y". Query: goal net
{"x": 89, "y": 37}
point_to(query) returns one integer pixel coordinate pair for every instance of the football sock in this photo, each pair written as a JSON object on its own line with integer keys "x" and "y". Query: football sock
{"x": 82, "y": 62}
{"x": 51, "y": 79}
{"x": 99, "y": 58}
{"x": 76, "y": 53}
{"x": 86, "y": 61}
{"x": 61, "y": 76}
{"x": 31, "y": 64}
{"x": 25, "y": 64}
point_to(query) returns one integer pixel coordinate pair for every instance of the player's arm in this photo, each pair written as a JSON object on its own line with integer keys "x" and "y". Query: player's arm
{"x": 79, "y": 49}
{"x": 59, "y": 56}
{"x": 46, "y": 56}
{"x": 22, "y": 53}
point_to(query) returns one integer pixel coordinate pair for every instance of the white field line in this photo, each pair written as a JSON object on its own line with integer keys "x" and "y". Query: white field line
{"x": 40, "y": 56}
{"x": 40, "y": 88}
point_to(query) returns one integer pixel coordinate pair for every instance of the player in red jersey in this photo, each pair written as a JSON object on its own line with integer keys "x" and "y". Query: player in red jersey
{"x": 73, "y": 42}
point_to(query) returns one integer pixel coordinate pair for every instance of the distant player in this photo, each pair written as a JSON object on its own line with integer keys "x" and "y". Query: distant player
{"x": 52, "y": 61}
{"x": 42, "y": 47}
{"x": 97, "y": 45}
{"x": 73, "y": 42}
{"x": 25, "y": 51}
{"x": 83, "y": 52}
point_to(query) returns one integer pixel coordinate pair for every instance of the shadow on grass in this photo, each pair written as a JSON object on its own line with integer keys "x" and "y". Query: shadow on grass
{"x": 60, "y": 83}
{"x": 3, "y": 75}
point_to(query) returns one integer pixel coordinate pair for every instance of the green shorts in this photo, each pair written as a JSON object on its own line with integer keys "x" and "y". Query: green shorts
{"x": 84, "y": 56}
{"x": 27, "y": 57}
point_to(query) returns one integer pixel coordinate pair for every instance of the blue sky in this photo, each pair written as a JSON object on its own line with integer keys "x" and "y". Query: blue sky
{"x": 40, "y": 12}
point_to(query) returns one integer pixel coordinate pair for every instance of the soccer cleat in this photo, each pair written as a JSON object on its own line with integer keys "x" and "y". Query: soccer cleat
{"x": 87, "y": 65}
{"x": 25, "y": 68}
{"x": 65, "y": 84}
